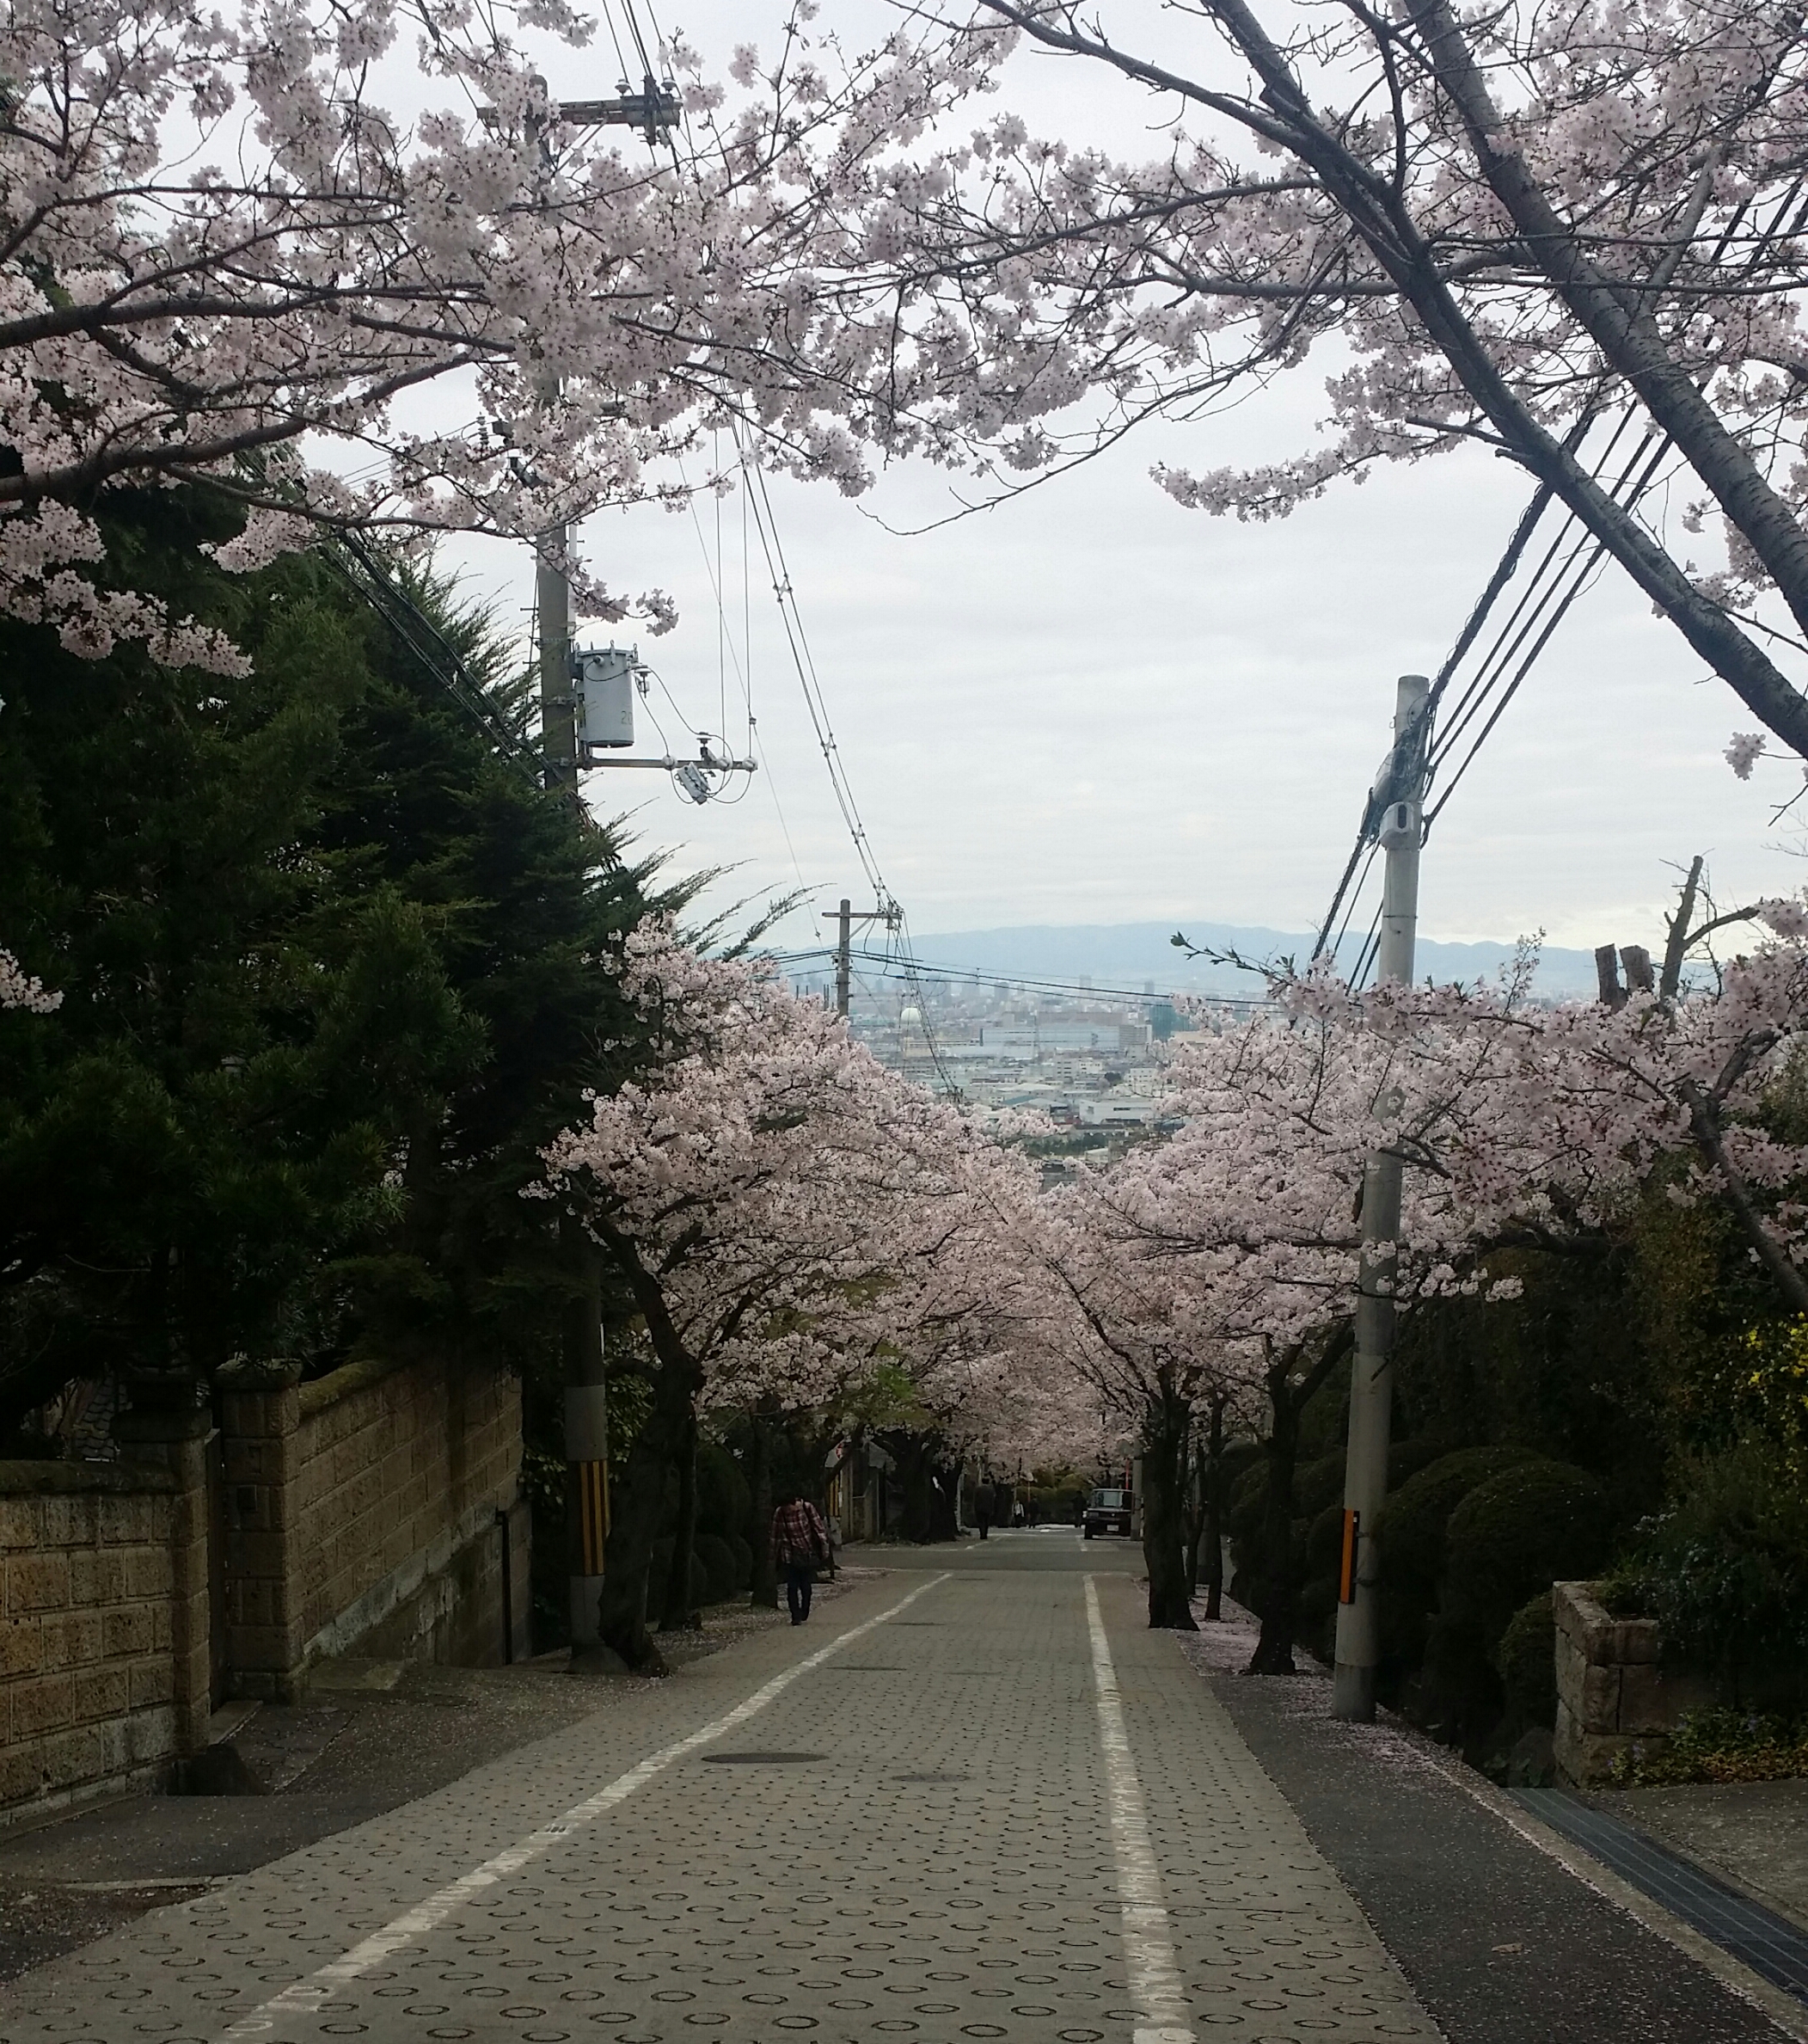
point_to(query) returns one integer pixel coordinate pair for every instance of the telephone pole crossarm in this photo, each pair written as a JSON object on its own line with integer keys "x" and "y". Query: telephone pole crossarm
{"x": 844, "y": 919}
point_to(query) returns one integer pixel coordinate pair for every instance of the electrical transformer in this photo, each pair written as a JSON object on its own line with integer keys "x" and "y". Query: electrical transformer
{"x": 603, "y": 680}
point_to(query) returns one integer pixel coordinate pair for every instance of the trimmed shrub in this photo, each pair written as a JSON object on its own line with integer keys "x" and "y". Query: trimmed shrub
{"x": 743, "y": 1562}
{"x": 1318, "y": 1486}
{"x": 713, "y": 1577}
{"x": 1517, "y": 1534}
{"x": 1411, "y": 1528}
{"x": 723, "y": 1501}
{"x": 1526, "y": 1661}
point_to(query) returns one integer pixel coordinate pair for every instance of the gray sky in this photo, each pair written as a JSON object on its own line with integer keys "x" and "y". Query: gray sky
{"x": 1089, "y": 705}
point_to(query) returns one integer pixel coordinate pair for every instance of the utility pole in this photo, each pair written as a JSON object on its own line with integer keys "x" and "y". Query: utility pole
{"x": 654, "y": 110}
{"x": 845, "y": 918}
{"x": 844, "y": 958}
{"x": 1396, "y": 813}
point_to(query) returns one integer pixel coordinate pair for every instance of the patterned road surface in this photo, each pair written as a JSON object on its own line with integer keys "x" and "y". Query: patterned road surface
{"x": 959, "y": 1805}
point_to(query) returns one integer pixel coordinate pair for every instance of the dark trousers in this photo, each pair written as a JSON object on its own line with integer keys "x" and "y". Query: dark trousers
{"x": 800, "y": 1578}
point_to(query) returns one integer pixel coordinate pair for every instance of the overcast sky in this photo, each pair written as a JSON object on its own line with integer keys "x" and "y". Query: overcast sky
{"x": 1089, "y": 705}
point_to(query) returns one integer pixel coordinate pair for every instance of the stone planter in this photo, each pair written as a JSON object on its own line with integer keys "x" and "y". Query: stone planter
{"x": 1611, "y": 1690}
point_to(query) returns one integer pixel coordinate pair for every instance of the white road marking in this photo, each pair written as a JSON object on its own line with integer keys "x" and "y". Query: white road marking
{"x": 1154, "y": 1978}
{"x": 304, "y": 1996}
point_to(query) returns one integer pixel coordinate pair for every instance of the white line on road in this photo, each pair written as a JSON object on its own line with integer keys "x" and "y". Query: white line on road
{"x": 1154, "y": 1978}
{"x": 304, "y": 1996}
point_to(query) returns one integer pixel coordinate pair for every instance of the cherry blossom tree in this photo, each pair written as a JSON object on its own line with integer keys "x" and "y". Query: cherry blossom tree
{"x": 1517, "y": 229}
{"x": 223, "y": 256}
{"x": 18, "y": 989}
{"x": 785, "y": 1211}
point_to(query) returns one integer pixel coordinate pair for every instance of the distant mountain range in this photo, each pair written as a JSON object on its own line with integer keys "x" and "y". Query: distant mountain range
{"x": 1125, "y": 957}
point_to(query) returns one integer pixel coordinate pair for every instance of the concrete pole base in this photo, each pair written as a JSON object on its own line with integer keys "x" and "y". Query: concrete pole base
{"x": 586, "y": 1594}
{"x": 1352, "y": 1693}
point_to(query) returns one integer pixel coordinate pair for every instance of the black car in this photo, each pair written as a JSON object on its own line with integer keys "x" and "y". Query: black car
{"x": 1107, "y": 1512}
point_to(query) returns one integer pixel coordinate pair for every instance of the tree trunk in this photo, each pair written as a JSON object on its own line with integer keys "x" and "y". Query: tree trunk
{"x": 763, "y": 1595}
{"x": 1193, "y": 1466}
{"x": 1280, "y": 1578}
{"x": 1279, "y": 1589}
{"x": 1211, "y": 1451}
{"x": 681, "y": 1613}
{"x": 944, "y": 1498}
{"x": 1166, "y": 1426}
{"x": 915, "y": 1455}
{"x": 637, "y": 1506}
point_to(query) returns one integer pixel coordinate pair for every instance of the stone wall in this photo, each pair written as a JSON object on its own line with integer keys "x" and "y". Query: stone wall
{"x": 395, "y": 1467}
{"x": 369, "y": 1510}
{"x": 103, "y": 1673}
{"x": 1612, "y": 1690}
{"x": 376, "y": 1511}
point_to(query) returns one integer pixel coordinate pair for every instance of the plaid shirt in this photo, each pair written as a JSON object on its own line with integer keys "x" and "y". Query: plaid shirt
{"x": 798, "y": 1534}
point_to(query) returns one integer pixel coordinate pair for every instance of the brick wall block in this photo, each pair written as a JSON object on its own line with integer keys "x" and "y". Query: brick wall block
{"x": 127, "y": 1628}
{"x": 150, "y": 1736}
{"x": 103, "y": 1691}
{"x": 125, "y": 1520}
{"x": 18, "y": 1523}
{"x": 69, "y": 1639}
{"x": 42, "y": 1705}
{"x": 152, "y": 1680}
{"x": 70, "y": 1758}
{"x": 149, "y": 1572}
{"x": 96, "y": 1575}
{"x": 36, "y": 1582}
{"x": 68, "y": 1521}
{"x": 22, "y": 1647}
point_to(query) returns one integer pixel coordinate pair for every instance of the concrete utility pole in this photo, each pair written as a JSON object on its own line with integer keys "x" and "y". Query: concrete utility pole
{"x": 845, "y": 918}
{"x": 558, "y": 705}
{"x": 1399, "y": 794}
{"x": 844, "y": 958}
{"x": 655, "y": 110}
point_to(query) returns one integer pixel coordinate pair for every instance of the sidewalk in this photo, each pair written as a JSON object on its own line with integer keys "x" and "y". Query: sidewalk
{"x": 1509, "y": 1933}
{"x": 371, "y": 1736}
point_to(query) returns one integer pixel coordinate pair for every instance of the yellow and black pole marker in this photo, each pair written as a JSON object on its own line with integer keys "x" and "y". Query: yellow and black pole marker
{"x": 587, "y": 1456}
{"x": 1346, "y": 1564}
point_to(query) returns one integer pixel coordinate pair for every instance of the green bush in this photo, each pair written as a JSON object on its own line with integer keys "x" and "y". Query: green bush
{"x": 1726, "y": 1571}
{"x": 723, "y": 1501}
{"x": 743, "y": 1562}
{"x": 1318, "y": 1486}
{"x": 713, "y": 1577}
{"x": 1526, "y": 1661}
{"x": 1515, "y": 1535}
{"x": 1410, "y": 1532}
{"x": 1458, "y": 1694}
{"x": 1718, "y": 1746}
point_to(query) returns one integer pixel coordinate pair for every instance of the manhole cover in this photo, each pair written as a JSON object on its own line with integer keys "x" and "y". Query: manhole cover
{"x": 761, "y": 1760}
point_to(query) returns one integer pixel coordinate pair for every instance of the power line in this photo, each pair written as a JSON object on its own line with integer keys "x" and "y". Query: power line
{"x": 1548, "y": 595}
{"x": 889, "y": 964}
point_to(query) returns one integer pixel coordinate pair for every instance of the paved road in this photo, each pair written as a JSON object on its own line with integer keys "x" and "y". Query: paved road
{"x": 974, "y": 1799}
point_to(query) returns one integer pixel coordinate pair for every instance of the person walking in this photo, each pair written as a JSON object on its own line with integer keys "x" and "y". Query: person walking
{"x": 983, "y": 1508}
{"x": 800, "y": 1542}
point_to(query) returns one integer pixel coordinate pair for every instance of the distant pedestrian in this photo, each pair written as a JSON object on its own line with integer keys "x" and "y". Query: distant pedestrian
{"x": 799, "y": 1546}
{"x": 983, "y": 1508}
